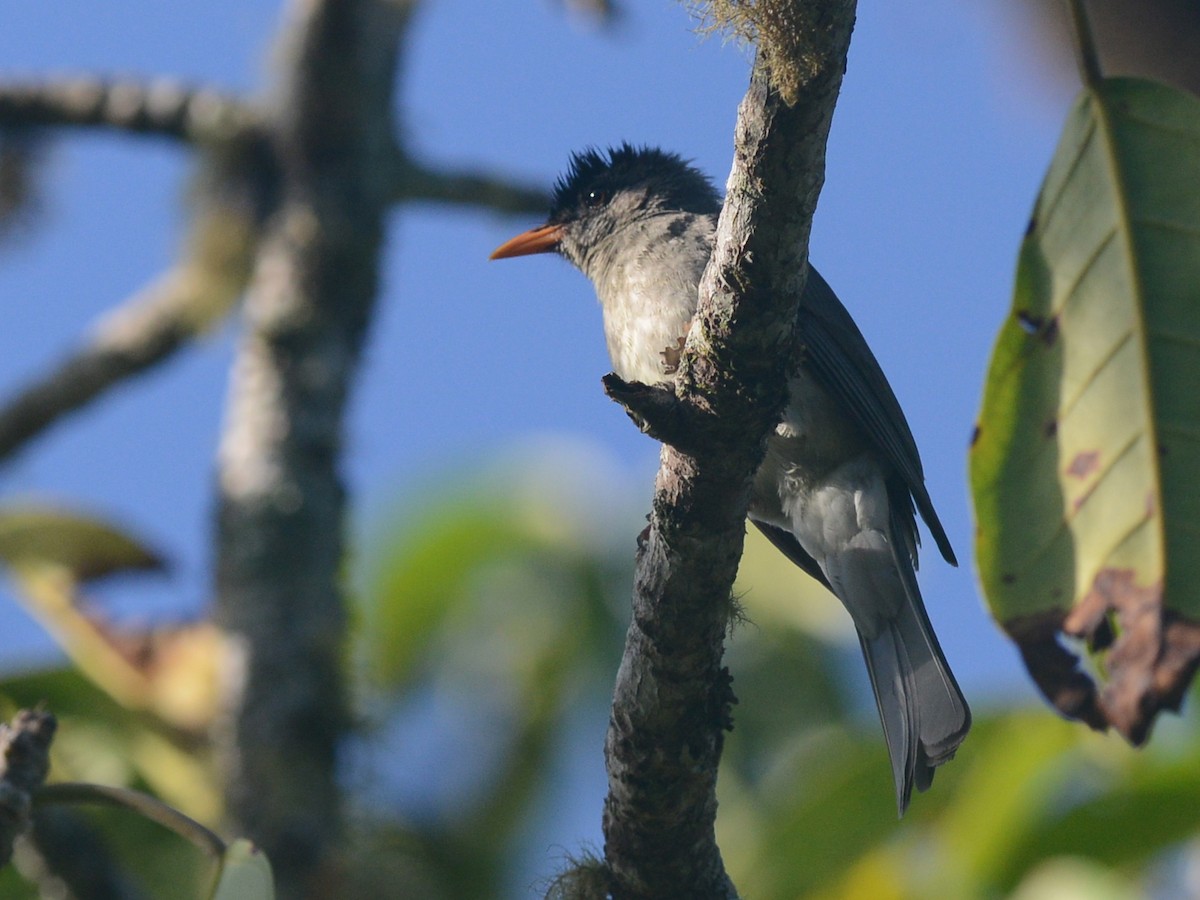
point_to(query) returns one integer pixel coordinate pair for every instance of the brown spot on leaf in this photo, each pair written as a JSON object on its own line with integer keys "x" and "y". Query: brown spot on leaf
{"x": 1130, "y": 698}
{"x": 1081, "y": 621}
{"x": 1050, "y": 429}
{"x": 1008, "y": 578}
{"x": 975, "y": 435}
{"x": 1050, "y": 332}
{"x": 1152, "y": 655}
{"x": 1029, "y": 228}
{"x": 1084, "y": 463}
{"x": 1055, "y": 670}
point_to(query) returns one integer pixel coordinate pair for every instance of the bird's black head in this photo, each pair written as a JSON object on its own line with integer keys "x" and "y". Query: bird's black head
{"x": 651, "y": 180}
{"x": 609, "y": 203}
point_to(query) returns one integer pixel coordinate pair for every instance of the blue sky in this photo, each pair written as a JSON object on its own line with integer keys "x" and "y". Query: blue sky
{"x": 939, "y": 142}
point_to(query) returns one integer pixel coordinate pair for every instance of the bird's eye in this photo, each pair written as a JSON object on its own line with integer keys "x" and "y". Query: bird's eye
{"x": 592, "y": 199}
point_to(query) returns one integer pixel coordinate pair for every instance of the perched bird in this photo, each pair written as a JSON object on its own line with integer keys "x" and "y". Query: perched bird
{"x": 837, "y": 490}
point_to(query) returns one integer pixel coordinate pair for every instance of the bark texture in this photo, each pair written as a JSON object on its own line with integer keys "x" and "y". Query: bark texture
{"x": 672, "y": 701}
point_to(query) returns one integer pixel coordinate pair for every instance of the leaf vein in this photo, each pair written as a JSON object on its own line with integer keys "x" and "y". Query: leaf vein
{"x": 1053, "y": 205}
{"x": 1073, "y": 289}
{"x": 1066, "y": 405}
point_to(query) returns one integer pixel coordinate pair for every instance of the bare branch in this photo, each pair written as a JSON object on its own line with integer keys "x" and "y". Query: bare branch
{"x": 147, "y": 329}
{"x": 163, "y": 108}
{"x": 415, "y": 182}
{"x": 672, "y": 699}
{"x": 602, "y": 12}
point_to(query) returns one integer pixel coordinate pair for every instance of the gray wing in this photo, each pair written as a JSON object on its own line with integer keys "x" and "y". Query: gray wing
{"x": 837, "y": 355}
{"x": 785, "y": 542}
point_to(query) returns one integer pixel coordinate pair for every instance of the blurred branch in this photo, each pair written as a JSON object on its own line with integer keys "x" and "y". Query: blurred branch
{"x": 146, "y": 330}
{"x": 21, "y": 153}
{"x": 281, "y": 503}
{"x": 24, "y": 762}
{"x": 672, "y": 698}
{"x": 1085, "y": 45}
{"x": 602, "y": 12}
{"x": 416, "y": 182}
{"x": 67, "y": 793}
{"x": 163, "y": 108}
{"x": 238, "y": 192}
{"x": 1152, "y": 38}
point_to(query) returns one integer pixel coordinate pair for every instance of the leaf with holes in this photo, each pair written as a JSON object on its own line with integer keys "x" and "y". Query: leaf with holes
{"x": 1084, "y": 465}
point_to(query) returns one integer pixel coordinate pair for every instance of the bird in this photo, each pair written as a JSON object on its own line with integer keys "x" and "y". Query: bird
{"x": 842, "y": 481}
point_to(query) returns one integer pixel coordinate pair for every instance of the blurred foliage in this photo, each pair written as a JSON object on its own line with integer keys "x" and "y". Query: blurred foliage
{"x": 489, "y": 620}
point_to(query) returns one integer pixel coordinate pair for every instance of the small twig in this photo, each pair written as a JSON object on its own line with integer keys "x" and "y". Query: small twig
{"x": 151, "y": 808}
{"x": 163, "y": 108}
{"x": 415, "y": 182}
{"x": 656, "y": 411}
{"x": 1086, "y": 54}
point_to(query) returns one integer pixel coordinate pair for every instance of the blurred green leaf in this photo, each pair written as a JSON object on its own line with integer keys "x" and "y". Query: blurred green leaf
{"x": 1006, "y": 780}
{"x": 426, "y": 572}
{"x": 104, "y": 741}
{"x": 1119, "y": 823}
{"x": 37, "y": 537}
{"x": 1076, "y": 879}
{"x": 829, "y": 801}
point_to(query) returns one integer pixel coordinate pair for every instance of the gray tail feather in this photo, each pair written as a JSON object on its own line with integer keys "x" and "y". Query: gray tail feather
{"x": 925, "y": 716}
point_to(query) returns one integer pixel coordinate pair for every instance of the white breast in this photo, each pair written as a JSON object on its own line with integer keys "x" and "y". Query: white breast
{"x": 649, "y": 299}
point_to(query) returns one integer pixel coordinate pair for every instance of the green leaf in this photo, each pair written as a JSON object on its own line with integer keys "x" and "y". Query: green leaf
{"x": 825, "y": 804}
{"x": 36, "y": 537}
{"x": 1089, "y": 436}
{"x": 245, "y": 874}
{"x": 427, "y": 570}
{"x": 1008, "y": 781}
{"x": 1129, "y": 823}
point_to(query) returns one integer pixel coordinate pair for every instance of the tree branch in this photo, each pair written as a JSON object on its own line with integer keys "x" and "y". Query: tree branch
{"x": 24, "y": 763}
{"x": 419, "y": 183}
{"x": 281, "y": 500}
{"x": 163, "y": 108}
{"x": 672, "y": 699}
{"x": 148, "y": 328}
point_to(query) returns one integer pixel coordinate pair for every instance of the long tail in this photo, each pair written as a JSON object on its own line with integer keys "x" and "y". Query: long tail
{"x": 925, "y": 716}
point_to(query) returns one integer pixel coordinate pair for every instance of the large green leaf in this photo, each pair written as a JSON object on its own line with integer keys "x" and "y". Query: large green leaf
{"x": 1084, "y": 464}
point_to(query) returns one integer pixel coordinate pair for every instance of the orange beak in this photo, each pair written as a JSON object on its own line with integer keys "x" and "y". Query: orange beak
{"x": 542, "y": 239}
